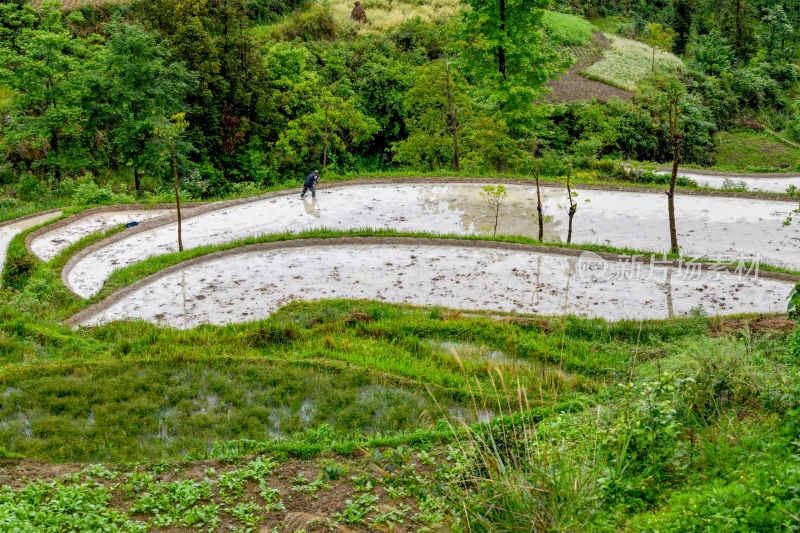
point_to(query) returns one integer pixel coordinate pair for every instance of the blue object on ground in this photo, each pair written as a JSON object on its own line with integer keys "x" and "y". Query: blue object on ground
{"x": 131, "y": 224}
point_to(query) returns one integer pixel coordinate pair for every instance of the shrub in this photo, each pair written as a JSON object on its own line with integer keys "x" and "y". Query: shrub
{"x": 314, "y": 24}
{"x": 17, "y": 269}
{"x": 43, "y": 290}
{"x": 87, "y": 192}
{"x": 713, "y": 54}
{"x": 6, "y": 202}
{"x": 640, "y": 443}
{"x": 29, "y": 188}
{"x": 793, "y": 127}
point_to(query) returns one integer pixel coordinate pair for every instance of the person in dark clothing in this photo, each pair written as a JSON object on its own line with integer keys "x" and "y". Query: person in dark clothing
{"x": 309, "y": 184}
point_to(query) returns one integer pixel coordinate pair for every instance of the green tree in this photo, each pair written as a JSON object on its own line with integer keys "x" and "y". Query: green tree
{"x": 437, "y": 107}
{"x": 713, "y": 54}
{"x": 682, "y": 24}
{"x": 507, "y": 62}
{"x": 495, "y": 196}
{"x": 778, "y": 30}
{"x": 144, "y": 84}
{"x": 659, "y": 37}
{"x": 332, "y": 124}
{"x": 169, "y": 133}
{"x": 52, "y": 75}
{"x": 737, "y": 22}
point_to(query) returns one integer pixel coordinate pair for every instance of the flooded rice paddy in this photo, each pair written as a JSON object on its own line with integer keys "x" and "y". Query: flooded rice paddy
{"x": 48, "y": 245}
{"x": 743, "y": 183}
{"x": 252, "y": 284}
{"x": 722, "y": 228}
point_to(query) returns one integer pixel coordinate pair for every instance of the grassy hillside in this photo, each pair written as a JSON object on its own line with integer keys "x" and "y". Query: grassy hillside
{"x": 754, "y": 151}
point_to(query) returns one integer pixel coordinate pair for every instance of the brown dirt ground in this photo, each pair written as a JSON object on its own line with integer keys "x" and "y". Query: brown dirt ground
{"x": 573, "y": 87}
{"x": 761, "y": 325}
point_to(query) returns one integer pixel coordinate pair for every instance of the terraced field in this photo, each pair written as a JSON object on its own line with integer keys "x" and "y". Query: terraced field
{"x": 299, "y": 370}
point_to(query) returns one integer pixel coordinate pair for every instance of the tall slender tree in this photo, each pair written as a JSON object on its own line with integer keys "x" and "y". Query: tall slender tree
{"x": 682, "y": 24}
{"x": 144, "y": 84}
{"x": 676, "y": 134}
{"x": 507, "y": 61}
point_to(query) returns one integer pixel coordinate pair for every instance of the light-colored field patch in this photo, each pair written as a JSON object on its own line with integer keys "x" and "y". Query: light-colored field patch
{"x": 48, "y": 245}
{"x": 707, "y": 226}
{"x": 251, "y": 285}
{"x": 628, "y": 62}
{"x": 387, "y": 15}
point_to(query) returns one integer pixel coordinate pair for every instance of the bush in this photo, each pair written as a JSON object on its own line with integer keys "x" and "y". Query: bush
{"x": 271, "y": 10}
{"x": 6, "y": 202}
{"x": 314, "y": 24}
{"x": 641, "y": 441}
{"x": 713, "y": 54}
{"x": 42, "y": 291}
{"x": 87, "y": 192}
{"x": 30, "y": 189}
{"x": 793, "y": 127}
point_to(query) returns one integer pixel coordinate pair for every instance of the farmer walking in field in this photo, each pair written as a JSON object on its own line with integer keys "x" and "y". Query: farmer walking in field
{"x": 309, "y": 184}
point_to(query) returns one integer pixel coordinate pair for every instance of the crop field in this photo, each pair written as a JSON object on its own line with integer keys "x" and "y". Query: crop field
{"x": 627, "y": 62}
{"x": 387, "y": 15}
{"x": 567, "y": 30}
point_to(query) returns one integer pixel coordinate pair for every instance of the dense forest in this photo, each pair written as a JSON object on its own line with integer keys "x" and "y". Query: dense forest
{"x": 270, "y": 90}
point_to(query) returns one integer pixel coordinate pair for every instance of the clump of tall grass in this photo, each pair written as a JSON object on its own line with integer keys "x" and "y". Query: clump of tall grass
{"x": 628, "y": 62}
{"x": 511, "y": 476}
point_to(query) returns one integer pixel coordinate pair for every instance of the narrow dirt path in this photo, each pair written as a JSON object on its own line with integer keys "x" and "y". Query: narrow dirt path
{"x": 573, "y": 87}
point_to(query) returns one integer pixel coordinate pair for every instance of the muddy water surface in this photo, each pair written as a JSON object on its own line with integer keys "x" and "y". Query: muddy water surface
{"x": 748, "y": 183}
{"x": 48, "y": 245}
{"x": 712, "y": 227}
{"x": 251, "y": 285}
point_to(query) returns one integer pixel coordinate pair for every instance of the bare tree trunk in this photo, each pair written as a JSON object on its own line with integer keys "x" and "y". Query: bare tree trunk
{"x": 496, "y": 217}
{"x": 453, "y": 120}
{"x": 654, "y": 59}
{"x": 501, "y": 52}
{"x": 676, "y": 137}
{"x": 137, "y": 181}
{"x": 177, "y": 196}
{"x": 539, "y": 211}
{"x": 501, "y": 61}
{"x": 573, "y": 207}
{"x": 326, "y": 138}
